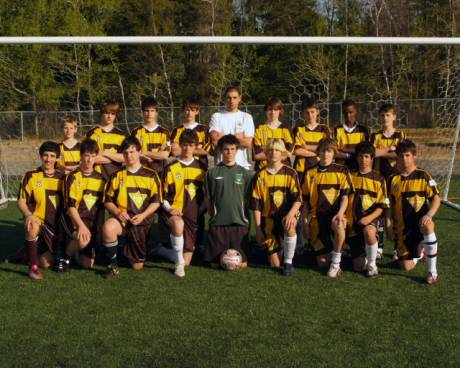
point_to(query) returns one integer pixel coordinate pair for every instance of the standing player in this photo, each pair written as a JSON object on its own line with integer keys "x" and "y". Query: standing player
{"x": 276, "y": 201}
{"x": 108, "y": 138}
{"x": 132, "y": 196}
{"x": 191, "y": 109}
{"x": 84, "y": 191}
{"x": 235, "y": 122}
{"x": 307, "y": 136}
{"x": 273, "y": 128}
{"x": 227, "y": 186}
{"x": 415, "y": 201}
{"x": 154, "y": 138}
{"x": 385, "y": 142}
{"x": 366, "y": 206}
{"x": 325, "y": 189}
{"x": 40, "y": 201}
{"x": 183, "y": 200}
{"x": 70, "y": 147}
{"x": 349, "y": 135}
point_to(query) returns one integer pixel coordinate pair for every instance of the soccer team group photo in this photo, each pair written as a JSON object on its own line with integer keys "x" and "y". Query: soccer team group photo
{"x": 226, "y": 186}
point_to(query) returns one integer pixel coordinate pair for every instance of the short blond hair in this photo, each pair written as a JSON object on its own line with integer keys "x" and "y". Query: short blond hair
{"x": 70, "y": 120}
{"x": 278, "y": 144}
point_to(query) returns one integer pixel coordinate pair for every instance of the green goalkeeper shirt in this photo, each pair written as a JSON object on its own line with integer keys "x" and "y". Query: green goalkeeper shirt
{"x": 227, "y": 187}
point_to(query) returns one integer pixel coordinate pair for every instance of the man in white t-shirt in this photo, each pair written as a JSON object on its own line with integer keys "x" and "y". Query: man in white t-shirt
{"x": 233, "y": 121}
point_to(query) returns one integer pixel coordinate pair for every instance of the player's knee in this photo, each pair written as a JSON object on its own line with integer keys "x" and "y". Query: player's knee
{"x": 109, "y": 230}
{"x": 136, "y": 266}
{"x": 370, "y": 234}
{"x": 177, "y": 225}
{"x": 427, "y": 228}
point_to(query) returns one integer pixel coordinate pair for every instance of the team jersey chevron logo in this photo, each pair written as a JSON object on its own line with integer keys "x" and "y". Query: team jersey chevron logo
{"x": 416, "y": 202}
{"x": 90, "y": 200}
{"x": 191, "y": 189}
{"x": 278, "y": 198}
{"x": 331, "y": 195}
{"x": 53, "y": 200}
{"x": 138, "y": 198}
{"x": 366, "y": 201}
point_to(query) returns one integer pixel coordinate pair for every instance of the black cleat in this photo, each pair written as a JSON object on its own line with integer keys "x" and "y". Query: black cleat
{"x": 111, "y": 272}
{"x": 63, "y": 265}
{"x": 288, "y": 269}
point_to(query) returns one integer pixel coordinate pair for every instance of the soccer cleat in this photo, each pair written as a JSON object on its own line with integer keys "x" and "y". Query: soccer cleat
{"x": 34, "y": 273}
{"x": 372, "y": 271}
{"x": 431, "y": 279}
{"x": 63, "y": 265}
{"x": 179, "y": 270}
{"x": 111, "y": 272}
{"x": 334, "y": 270}
{"x": 395, "y": 255}
{"x": 288, "y": 269}
{"x": 379, "y": 254}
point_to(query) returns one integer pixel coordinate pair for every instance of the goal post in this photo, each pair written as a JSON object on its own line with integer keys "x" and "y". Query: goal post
{"x": 22, "y": 131}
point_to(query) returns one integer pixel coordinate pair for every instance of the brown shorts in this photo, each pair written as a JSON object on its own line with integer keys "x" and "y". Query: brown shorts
{"x": 190, "y": 230}
{"x": 95, "y": 229}
{"x": 47, "y": 239}
{"x": 136, "y": 247}
{"x": 221, "y": 238}
{"x": 321, "y": 235}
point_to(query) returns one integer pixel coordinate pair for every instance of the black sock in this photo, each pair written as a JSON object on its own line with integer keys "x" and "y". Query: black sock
{"x": 111, "y": 249}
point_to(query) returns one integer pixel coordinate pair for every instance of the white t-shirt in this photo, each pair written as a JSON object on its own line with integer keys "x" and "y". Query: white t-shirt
{"x": 231, "y": 123}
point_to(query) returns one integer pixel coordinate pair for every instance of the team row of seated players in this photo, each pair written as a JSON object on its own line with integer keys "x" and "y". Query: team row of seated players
{"x": 134, "y": 193}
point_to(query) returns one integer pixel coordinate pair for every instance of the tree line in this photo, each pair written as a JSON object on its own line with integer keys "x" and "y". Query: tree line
{"x": 78, "y": 77}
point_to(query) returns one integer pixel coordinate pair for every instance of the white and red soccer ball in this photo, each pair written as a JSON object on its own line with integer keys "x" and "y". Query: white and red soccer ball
{"x": 231, "y": 260}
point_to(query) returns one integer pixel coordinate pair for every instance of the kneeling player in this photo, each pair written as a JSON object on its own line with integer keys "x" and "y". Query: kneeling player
{"x": 276, "y": 201}
{"x": 365, "y": 207}
{"x": 84, "y": 191}
{"x": 40, "y": 201}
{"x": 414, "y": 200}
{"x": 325, "y": 189}
{"x": 132, "y": 196}
{"x": 182, "y": 206}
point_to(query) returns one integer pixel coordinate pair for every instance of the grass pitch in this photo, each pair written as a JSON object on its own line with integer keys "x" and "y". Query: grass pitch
{"x": 223, "y": 319}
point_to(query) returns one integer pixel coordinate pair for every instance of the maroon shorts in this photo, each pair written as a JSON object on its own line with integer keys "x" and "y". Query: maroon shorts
{"x": 190, "y": 230}
{"x": 137, "y": 236}
{"x": 94, "y": 227}
{"x": 47, "y": 239}
{"x": 221, "y": 238}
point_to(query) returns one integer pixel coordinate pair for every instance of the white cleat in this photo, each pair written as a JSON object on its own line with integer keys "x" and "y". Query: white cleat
{"x": 379, "y": 254}
{"x": 372, "y": 271}
{"x": 179, "y": 270}
{"x": 334, "y": 270}
{"x": 395, "y": 255}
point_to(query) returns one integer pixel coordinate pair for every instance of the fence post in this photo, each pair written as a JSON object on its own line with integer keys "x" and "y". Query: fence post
{"x": 22, "y": 125}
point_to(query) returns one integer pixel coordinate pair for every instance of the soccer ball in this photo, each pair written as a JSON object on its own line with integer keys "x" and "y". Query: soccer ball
{"x": 230, "y": 260}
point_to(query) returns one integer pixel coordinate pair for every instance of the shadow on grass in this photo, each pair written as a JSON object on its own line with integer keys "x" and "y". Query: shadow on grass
{"x": 9, "y": 270}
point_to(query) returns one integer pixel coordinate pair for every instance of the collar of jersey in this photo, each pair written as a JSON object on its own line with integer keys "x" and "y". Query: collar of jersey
{"x": 186, "y": 163}
{"x": 150, "y": 130}
{"x": 349, "y": 130}
{"x": 107, "y": 130}
{"x": 191, "y": 126}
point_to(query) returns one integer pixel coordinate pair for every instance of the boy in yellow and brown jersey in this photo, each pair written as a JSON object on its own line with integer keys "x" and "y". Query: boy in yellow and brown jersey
{"x": 132, "y": 196}
{"x": 191, "y": 109}
{"x": 348, "y": 135}
{"x": 40, "y": 201}
{"x": 385, "y": 142}
{"x": 307, "y": 136}
{"x": 154, "y": 138}
{"x": 183, "y": 201}
{"x": 108, "y": 138}
{"x": 415, "y": 201}
{"x": 70, "y": 147}
{"x": 325, "y": 190}
{"x": 276, "y": 200}
{"x": 84, "y": 208}
{"x": 365, "y": 207}
{"x": 273, "y": 128}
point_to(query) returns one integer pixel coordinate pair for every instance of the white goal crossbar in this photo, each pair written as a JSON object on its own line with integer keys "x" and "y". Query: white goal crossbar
{"x": 228, "y": 40}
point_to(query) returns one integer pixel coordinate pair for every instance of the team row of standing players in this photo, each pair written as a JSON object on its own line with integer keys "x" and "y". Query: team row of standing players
{"x": 134, "y": 192}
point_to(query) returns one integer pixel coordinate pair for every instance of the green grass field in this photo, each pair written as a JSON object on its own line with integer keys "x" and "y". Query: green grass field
{"x": 223, "y": 319}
